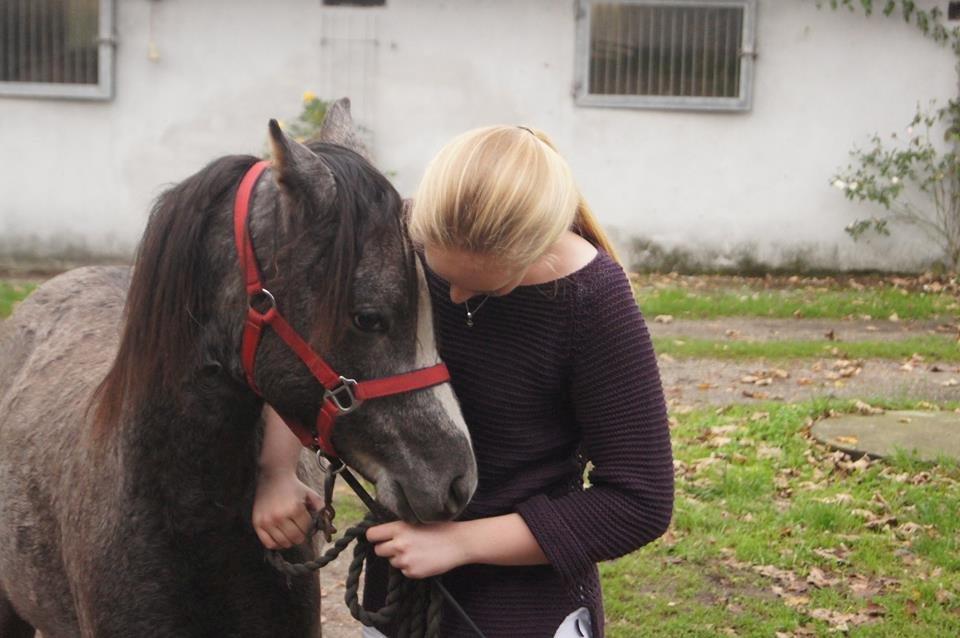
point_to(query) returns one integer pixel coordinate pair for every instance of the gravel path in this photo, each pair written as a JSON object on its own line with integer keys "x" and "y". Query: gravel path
{"x": 749, "y": 329}
{"x": 698, "y": 382}
{"x": 335, "y": 618}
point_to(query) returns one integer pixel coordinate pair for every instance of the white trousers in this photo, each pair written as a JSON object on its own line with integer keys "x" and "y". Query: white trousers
{"x": 576, "y": 625}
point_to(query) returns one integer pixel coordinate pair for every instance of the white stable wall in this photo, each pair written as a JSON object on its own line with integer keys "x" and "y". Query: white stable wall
{"x": 77, "y": 178}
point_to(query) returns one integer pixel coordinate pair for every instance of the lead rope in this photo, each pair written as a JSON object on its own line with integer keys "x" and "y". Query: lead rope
{"x": 415, "y": 603}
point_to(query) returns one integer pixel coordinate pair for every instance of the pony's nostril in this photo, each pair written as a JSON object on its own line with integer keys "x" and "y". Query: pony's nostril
{"x": 459, "y": 495}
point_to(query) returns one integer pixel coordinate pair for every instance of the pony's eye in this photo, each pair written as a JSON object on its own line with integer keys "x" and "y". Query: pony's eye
{"x": 369, "y": 322}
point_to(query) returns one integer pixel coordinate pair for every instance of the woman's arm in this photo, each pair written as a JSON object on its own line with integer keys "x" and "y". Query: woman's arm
{"x": 617, "y": 396}
{"x": 281, "y": 507}
{"x": 421, "y": 551}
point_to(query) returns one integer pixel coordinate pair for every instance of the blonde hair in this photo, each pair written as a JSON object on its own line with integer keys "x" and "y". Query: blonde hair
{"x": 504, "y": 191}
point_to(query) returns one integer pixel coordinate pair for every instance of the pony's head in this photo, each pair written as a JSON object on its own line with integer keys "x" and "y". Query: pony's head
{"x": 329, "y": 237}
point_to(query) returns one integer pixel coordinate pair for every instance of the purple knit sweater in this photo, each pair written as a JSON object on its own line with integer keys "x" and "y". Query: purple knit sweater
{"x": 549, "y": 377}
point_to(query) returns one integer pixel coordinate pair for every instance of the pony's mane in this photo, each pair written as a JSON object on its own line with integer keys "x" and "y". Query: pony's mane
{"x": 170, "y": 297}
{"x": 166, "y": 303}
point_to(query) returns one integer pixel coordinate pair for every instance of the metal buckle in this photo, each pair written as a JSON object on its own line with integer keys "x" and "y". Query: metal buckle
{"x": 344, "y": 391}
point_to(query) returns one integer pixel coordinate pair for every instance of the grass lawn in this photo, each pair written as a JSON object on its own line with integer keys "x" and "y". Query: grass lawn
{"x": 877, "y": 302}
{"x": 932, "y": 348}
{"x": 773, "y": 532}
{"x": 10, "y": 294}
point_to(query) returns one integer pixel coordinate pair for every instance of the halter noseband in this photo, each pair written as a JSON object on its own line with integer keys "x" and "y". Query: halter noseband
{"x": 341, "y": 395}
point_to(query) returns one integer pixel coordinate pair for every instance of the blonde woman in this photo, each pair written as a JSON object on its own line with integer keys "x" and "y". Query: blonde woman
{"x": 554, "y": 369}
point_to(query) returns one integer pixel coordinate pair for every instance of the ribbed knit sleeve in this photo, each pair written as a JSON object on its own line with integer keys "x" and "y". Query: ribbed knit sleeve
{"x": 618, "y": 404}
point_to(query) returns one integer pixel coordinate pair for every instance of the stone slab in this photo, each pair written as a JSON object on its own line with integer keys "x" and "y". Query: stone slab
{"x": 928, "y": 435}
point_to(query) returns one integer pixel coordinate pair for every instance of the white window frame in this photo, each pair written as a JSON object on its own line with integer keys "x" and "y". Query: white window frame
{"x": 103, "y": 90}
{"x": 668, "y": 102}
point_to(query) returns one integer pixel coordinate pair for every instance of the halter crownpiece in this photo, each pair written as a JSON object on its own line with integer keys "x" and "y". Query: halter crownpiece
{"x": 341, "y": 395}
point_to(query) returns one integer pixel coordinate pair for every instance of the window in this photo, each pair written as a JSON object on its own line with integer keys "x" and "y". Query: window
{"x": 668, "y": 54}
{"x": 354, "y": 3}
{"x": 56, "y": 48}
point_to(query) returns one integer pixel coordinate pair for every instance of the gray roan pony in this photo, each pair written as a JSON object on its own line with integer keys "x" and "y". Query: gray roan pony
{"x": 132, "y": 518}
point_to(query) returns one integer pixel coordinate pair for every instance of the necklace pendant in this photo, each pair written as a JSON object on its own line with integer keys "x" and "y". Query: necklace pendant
{"x": 469, "y": 319}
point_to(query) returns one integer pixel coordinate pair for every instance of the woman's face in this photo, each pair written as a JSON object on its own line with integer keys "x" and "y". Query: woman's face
{"x": 471, "y": 274}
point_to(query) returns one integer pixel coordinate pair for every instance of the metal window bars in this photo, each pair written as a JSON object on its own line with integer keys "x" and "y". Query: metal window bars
{"x": 694, "y": 54}
{"x": 56, "y": 48}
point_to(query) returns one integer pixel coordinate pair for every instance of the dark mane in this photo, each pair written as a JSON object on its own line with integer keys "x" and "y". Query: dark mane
{"x": 169, "y": 298}
{"x": 166, "y": 303}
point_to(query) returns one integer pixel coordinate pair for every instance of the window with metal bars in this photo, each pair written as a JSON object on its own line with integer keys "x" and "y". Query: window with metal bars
{"x": 56, "y": 48}
{"x": 354, "y": 3}
{"x": 668, "y": 54}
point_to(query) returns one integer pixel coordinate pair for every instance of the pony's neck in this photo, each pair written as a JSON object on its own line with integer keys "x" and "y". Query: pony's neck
{"x": 193, "y": 457}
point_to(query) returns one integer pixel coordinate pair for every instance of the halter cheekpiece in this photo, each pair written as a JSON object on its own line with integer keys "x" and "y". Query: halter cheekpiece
{"x": 341, "y": 394}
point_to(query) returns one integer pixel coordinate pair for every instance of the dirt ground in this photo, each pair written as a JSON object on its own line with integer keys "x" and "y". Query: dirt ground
{"x": 698, "y": 382}
{"x": 749, "y": 329}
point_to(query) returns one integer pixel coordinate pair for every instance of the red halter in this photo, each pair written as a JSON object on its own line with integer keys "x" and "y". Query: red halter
{"x": 342, "y": 395}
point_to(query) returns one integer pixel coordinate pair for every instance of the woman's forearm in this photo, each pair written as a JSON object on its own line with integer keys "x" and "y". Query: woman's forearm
{"x": 281, "y": 449}
{"x": 501, "y": 540}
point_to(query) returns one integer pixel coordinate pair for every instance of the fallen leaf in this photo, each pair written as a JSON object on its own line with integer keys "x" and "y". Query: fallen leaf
{"x": 866, "y": 408}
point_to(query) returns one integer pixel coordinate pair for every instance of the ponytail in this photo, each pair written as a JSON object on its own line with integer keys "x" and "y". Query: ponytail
{"x": 585, "y": 223}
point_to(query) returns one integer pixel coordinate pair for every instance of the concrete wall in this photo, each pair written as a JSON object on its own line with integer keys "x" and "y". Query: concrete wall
{"x": 78, "y": 177}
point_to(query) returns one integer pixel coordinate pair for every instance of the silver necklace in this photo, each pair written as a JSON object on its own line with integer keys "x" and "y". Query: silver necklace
{"x": 471, "y": 313}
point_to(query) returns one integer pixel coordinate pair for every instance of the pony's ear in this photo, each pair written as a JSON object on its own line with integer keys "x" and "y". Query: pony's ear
{"x": 338, "y": 128}
{"x": 296, "y": 167}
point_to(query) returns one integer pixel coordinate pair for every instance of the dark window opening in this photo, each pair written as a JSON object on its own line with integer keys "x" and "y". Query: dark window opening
{"x": 50, "y": 41}
{"x": 665, "y": 50}
{"x": 354, "y": 3}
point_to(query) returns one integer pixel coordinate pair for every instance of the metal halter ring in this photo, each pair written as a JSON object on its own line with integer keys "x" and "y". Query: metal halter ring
{"x": 263, "y": 294}
{"x": 344, "y": 391}
{"x": 329, "y": 465}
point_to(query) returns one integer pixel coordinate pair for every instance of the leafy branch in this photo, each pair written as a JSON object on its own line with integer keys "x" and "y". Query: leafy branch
{"x": 929, "y": 22}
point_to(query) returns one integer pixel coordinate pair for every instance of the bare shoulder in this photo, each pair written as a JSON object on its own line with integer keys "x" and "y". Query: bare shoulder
{"x": 568, "y": 255}
{"x": 576, "y": 252}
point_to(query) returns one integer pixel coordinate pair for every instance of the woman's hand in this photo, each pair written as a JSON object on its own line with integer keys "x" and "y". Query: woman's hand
{"x": 421, "y": 551}
{"x": 282, "y": 510}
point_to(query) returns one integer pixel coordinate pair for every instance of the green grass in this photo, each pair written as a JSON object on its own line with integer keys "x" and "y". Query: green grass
{"x": 809, "y": 302}
{"x": 732, "y": 516}
{"x": 932, "y": 348}
{"x": 10, "y": 294}
{"x": 765, "y": 501}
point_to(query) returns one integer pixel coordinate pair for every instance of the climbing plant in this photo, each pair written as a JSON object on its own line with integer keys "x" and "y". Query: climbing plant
{"x": 913, "y": 176}
{"x": 928, "y": 21}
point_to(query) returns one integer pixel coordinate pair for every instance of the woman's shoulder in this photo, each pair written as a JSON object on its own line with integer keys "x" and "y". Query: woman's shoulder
{"x": 602, "y": 273}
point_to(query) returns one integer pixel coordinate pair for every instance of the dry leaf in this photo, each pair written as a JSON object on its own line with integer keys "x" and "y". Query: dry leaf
{"x": 866, "y": 408}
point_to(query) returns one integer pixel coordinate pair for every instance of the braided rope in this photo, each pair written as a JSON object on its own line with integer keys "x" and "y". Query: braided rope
{"x": 415, "y": 603}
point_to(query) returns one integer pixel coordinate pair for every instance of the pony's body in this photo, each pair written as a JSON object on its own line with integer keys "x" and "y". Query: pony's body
{"x": 75, "y": 510}
{"x": 140, "y": 525}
